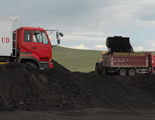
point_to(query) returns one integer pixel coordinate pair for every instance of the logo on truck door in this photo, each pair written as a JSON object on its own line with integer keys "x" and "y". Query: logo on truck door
{"x": 5, "y": 40}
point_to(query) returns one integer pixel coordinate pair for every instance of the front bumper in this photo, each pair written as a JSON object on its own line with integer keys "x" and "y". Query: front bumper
{"x": 50, "y": 65}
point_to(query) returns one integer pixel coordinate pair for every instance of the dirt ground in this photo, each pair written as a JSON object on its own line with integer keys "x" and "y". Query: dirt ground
{"x": 86, "y": 114}
{"x": 27, "y": 93}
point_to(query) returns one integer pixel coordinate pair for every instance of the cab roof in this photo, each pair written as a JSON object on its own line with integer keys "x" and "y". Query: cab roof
{"x": 31, "y": 28}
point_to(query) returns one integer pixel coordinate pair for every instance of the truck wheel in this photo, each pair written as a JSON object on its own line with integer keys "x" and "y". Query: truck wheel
{"x": 104, "y": 71}
{"x": 98, "y": 69}
{"x": 122, "y": 72}
{"x": 31, "y": 64}
{"x": 154, "y": 71}
{"x": 131, "y": 72}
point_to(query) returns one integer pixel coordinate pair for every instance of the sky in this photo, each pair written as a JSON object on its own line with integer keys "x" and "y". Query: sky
{"x": 87, "y": 23}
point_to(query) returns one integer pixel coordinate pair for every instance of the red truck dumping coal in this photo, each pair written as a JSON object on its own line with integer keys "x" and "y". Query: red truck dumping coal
{"x": 121, "y": 59}
{"x": 28, "y": 45}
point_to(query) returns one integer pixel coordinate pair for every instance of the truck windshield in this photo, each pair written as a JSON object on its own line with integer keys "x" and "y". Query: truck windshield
{"x": 40, "y": 37}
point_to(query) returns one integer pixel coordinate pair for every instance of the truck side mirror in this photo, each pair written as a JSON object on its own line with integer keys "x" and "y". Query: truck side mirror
{"x": 61, "y": 34}
{"x": 58, "y": 41}
{"x": 57, "y": 35}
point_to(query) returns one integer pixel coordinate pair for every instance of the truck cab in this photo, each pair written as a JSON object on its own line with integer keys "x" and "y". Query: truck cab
{"x": 34, "y": 47}
{"x": 28, "y": 45}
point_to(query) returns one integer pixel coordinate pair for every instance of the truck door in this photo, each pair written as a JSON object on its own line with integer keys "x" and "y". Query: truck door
{"x": 41, "y": 45}
{"x": 26, "y": 44}
{"x": 153, "y": 60}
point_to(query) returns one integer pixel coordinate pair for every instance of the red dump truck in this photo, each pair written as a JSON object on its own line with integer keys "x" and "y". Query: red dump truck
{"x": 28, "y": 45}
{"x": 123, "y": 60}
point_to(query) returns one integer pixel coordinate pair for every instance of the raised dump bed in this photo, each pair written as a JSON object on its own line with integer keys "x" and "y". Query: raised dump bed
{"x": 122, "y": 59}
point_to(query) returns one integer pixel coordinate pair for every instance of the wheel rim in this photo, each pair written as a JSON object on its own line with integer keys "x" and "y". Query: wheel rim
{"x": 122, "y": 72}
{"x": 131, "y": 72}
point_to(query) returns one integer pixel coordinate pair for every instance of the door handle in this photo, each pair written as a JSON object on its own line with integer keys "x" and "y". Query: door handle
{"x": 34, "y": 47}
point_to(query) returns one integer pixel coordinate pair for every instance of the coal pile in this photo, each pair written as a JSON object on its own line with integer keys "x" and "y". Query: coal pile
{"x": 26, "y": 88}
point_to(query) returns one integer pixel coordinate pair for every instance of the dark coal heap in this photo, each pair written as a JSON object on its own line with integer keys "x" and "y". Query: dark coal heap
{"x": 26, "y": 88}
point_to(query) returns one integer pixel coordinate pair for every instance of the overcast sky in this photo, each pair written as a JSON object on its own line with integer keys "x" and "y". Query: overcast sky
{"x": 87, "y": 23}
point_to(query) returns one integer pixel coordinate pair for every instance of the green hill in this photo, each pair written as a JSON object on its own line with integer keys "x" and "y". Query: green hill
{"x": 76, "y": 60}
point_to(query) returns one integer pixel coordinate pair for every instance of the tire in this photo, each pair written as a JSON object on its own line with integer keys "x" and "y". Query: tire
{"x": 154, "y": 71}
{"x": 122, "y": 72}
{"x": 98, "y": 69}
{"x": 31, "y": 64}
{"x": 104, "y": 71}
{"x": 131, "y": 72}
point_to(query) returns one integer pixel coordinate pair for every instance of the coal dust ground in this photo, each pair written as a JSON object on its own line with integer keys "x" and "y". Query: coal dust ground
{"x": 28, "y": 89}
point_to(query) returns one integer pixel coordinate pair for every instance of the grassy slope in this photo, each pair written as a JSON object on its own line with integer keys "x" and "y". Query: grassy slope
{"x": 76, "y": 60}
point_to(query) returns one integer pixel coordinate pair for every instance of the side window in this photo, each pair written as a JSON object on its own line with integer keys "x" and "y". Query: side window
{"x": 45, "y": 40}
{"x": 37, "y": 36}
{"x": 27, "y": 36}
{"x": 40, "y": 37}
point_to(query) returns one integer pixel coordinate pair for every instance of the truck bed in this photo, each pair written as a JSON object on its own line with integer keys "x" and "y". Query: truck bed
{"x": 137, "y": 60}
